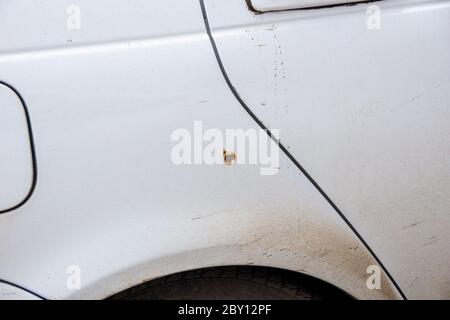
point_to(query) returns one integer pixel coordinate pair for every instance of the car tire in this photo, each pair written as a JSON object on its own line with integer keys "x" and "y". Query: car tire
{"x": 234, "y": 283}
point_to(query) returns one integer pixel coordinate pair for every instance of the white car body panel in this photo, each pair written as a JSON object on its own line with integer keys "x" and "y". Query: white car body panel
{"x": 366, "y": 112}
{"x": 103, "y": 102}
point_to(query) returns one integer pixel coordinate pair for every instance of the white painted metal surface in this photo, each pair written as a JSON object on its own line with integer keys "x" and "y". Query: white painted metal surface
{"x": 110, "y": 201}
{"x": 16, "y": 165}
{"x": 365, "y": 110}
{"x": 105, "y": 98}
{"x": 277, "y": 5}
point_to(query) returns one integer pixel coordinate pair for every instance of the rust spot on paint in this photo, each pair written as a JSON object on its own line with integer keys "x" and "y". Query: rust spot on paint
{"x": 229, "y": 157}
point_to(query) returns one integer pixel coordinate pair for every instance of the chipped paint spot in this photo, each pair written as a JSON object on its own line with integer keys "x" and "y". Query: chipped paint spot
{"x": 229, "y": 157}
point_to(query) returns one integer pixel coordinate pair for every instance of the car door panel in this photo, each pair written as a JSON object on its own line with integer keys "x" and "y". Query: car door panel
{"x": 364, "y": 108}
